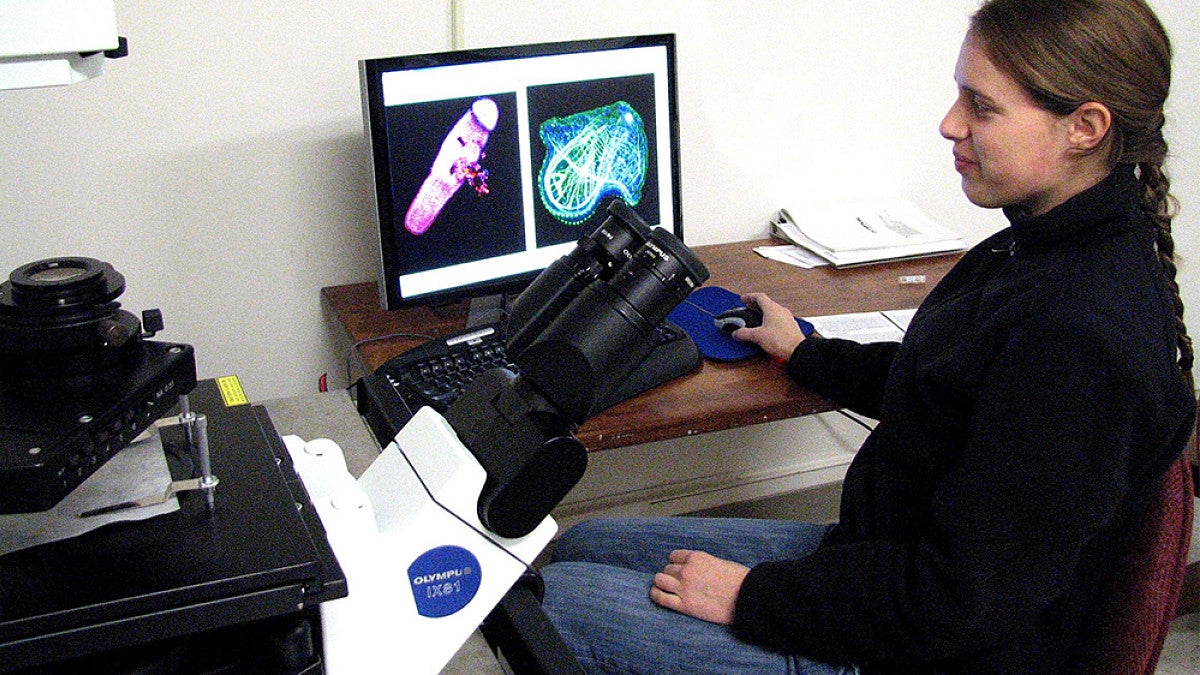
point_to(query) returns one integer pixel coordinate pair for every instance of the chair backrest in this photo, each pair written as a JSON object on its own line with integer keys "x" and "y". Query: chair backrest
{"x": 1139, "y": 604}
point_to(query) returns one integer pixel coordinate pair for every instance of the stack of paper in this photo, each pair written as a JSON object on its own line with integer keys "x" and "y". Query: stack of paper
{"x": 856, "y": 234}
{"x": 885, "y": 326}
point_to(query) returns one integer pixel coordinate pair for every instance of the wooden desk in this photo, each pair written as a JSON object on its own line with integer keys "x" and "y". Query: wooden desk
{"x": 716, "y": 395}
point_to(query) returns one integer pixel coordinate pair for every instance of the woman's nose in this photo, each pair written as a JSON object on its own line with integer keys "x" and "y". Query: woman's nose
{"x": 952, "y": 127}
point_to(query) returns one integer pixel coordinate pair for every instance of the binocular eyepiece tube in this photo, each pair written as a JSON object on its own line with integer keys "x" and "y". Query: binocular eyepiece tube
{"x": 602, "y": 324}
{"x": 575, "y": 334}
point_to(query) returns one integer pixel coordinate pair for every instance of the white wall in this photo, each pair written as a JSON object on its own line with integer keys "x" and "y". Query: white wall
{"x": 221, "y": 167}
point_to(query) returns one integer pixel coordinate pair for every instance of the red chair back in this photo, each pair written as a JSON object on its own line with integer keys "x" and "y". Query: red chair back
{"x": 1140, "y": 603}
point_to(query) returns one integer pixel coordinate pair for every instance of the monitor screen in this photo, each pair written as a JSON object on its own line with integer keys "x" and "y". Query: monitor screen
{"x": 489, "y": 164}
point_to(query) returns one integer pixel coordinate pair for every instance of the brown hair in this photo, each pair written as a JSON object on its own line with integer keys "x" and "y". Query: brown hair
{"x": 1115, "y": 52}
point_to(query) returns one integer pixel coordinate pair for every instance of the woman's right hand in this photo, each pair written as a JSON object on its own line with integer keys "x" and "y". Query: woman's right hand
{"x": 779, "y": 334}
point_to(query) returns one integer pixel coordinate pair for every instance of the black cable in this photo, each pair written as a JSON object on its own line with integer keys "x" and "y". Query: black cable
{"x": 389, "y": 336}
{"x": 504, "y": 311}
{"x": 854, "y": 418}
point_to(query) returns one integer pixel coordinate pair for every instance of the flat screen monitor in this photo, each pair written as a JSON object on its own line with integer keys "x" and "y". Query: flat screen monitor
{"x": 489, "y": 164}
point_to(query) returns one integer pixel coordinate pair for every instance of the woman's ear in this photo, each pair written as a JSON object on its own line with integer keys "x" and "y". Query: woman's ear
{"x": 1090, "y": 123}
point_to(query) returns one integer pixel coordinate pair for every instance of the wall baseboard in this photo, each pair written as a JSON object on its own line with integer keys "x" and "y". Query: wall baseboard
{"x": 707, "y": 492}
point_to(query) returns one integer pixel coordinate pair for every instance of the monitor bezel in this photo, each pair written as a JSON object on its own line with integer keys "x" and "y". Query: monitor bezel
{"x": 375, "y": 131}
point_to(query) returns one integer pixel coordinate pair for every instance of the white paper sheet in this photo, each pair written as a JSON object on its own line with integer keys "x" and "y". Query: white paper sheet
{"x": 138, "y": 470}
{"x": 864, "y": 327}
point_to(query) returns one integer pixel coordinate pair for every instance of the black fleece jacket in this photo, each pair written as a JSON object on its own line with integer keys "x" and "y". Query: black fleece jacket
{"x": 1024, "y": 421}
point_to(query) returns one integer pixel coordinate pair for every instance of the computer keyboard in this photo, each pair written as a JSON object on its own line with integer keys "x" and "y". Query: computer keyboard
{"x": 436, "y": 372}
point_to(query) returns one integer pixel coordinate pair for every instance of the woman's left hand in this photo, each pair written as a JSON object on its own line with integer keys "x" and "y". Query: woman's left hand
{"x": 700, "y": 585}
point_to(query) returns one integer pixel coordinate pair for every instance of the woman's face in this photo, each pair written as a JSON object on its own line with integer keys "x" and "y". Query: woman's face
{"x": 1009, "y": 151}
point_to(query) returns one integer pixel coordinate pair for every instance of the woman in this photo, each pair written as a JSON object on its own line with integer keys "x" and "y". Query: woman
{"x": 1040, "y": 393}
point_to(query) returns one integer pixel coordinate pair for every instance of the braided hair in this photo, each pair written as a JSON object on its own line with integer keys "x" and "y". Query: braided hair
{"x": 1116, "y": 52}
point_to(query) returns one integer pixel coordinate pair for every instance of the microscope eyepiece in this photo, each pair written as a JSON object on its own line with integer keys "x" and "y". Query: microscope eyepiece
{"x": 575, "y": 334}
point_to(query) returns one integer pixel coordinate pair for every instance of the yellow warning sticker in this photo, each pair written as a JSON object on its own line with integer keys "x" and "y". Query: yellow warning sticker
{"x": 231, "y": 391}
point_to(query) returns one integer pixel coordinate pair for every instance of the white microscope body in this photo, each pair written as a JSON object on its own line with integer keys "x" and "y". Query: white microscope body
{"x": 453, "y": 512}
{"x": 422, "y": 571}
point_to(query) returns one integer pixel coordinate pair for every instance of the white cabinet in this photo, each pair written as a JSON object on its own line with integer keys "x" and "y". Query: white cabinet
{"x": 54, "y": 42}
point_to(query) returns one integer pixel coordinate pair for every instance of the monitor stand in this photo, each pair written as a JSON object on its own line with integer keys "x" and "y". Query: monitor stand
{"x": 488, "y": 309}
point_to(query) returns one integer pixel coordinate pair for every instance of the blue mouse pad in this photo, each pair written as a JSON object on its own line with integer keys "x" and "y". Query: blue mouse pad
{"x": 695, "y": 316}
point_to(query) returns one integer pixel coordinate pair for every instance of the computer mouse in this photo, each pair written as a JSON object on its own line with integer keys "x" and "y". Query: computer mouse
{"x": 738, "y": 317}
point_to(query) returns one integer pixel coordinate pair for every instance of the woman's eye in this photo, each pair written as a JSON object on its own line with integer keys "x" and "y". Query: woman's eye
{"x": 980, "y": 107}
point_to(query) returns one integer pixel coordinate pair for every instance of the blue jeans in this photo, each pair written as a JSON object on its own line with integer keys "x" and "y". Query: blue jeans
{"x": 599, "y": 578}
